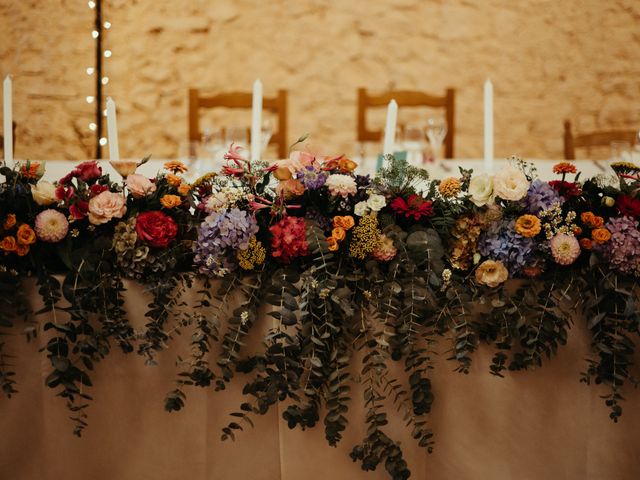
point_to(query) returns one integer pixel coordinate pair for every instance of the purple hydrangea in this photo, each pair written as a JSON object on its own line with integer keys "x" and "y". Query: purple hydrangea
{"x": 540, "y": 196}
{"x": 501, "y": 242}
{"x": 219, "y": 236}
{"x": 311, "y": 178}
{"x": 623, "y": 249}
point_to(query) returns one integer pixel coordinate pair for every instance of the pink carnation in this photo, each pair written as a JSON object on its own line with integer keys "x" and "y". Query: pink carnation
{"x": 564, "y": 248}
{"x": 105, "y": 206}
{"x": 51, "y": 226}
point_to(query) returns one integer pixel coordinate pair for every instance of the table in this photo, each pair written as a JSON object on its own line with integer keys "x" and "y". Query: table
{"x": 527, "y": 426}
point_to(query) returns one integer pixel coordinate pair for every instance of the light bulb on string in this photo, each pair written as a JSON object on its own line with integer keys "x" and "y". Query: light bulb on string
{"x": 92, "y": 127}
{"x": 105, "y": 80}
{"x": 90, "y": 98}
{"x": 90, "y": 70}
{"x": 107, "y": 25}
{"x": 107, "y": 53}
{"x": 103, "y": 141}
{"x": 95, "y": 34}
{"x": 91, "y": 4}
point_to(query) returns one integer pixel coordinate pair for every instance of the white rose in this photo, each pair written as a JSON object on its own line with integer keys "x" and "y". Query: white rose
{"x": 361, "y": 209}
{"x": 376, "y": 202}
{"x": 510, "y": 184}
{"x": 44, "y": 193}
{"x": 481, "y": 189}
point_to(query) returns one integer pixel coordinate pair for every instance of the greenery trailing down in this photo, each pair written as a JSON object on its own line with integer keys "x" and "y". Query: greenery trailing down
{"x": 308, "y": 279}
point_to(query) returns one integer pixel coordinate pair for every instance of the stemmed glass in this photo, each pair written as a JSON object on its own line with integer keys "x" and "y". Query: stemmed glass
{"x": 236, "y": 135}
{"x": 267, "y": 132}
{"x": 413, "y": 143}
{"x": 436, "y": 131}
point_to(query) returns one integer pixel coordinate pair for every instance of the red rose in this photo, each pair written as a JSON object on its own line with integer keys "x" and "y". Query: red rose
{"x": 96, "y": 189}
{"x": 156, "y": 228}
{"x": 79, "y": 209}
{"x": 88, "y": 171}
{"x": 628, "y": 206}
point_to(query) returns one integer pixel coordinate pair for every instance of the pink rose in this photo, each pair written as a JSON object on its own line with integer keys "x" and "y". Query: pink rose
{"x": 140, "y": 186}
{"x": 297, "y": 161}
{"x": 88, "y": 171}
{"x": 105, "y": 206}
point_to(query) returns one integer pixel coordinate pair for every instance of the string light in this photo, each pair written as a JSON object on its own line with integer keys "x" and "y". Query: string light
{"x": 105, "y": 80}
{"x": 92, "y": 127}
{"x": 103, "y": 141}
{"x": 95, "y": 34}
{"x": 107, "y": 53}
{"x": 91, "y": 4}
{"x": 90, "y": 70}
{"x": 90, "y": 98}
{"x": 107, "y": 25}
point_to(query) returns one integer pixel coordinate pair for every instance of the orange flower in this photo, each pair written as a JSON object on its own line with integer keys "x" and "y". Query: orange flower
{"x": 564, "y": 167}
{"x": 184, "y": 189}
{"x": 577, "y": 231}
{"x": 10, "y": 222}
{"x": 175, "y": 166}
{"x": 346, "y": 165}
{"x": 587, "y": 217}
{"x": 585, "y": 243}
{"x": 333, "y": 244}
{"x": 449, "y": 187}
{"x": 26, "y": 235}
{"x": 345, "y": 222}
{"x": 598, "y": 222}
{"x": 170, "y": 201}
{"x": 22, "y": 250}
{"x": 528, "y": 226}
{"x": 8, "y": 244}
{"x": 600, "y": 235}
{"x": 173, "y": 180}
{"x": 338, "y": 233}
{"x": 31, "y": 172}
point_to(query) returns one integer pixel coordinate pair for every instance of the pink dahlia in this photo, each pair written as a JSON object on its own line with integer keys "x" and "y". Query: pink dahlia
{"x": 386, "y": 250}
{"x": 564, "y": 248}
{"x": 341, "y": 185}
{"x": 51, "y": 226}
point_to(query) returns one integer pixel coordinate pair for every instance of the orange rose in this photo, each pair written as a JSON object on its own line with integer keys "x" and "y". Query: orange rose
{"x": 600, "y": 235}
{"x": 184, "y": 189}
{"x": 333, "y": 244}
{"x": 338, "y": 233}
{"x": 290, "y": 188}
{"x": 345, "y": 222}
{"x": 598, "y": 222}
{"x": 26, "y": 235}
{"x": 10, "y": 222}
{"x": 170, "y": 201}
{"x": 587, "y": 217}
{"x": 22, "y": 250}
{"x": 577, "y": 231}
{"x": 173, "y": 180}
{"x": 586, "y": 244}
{"x": 8, "y": 244}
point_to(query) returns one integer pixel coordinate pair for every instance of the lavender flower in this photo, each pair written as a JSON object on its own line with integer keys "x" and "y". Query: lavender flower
{"x": 219, "y": 235}
{"x": 311, "y": 178}
{"x": 540, "y": 196}
{"x": 501, "y": 242}
{"x": 623, "y": 249}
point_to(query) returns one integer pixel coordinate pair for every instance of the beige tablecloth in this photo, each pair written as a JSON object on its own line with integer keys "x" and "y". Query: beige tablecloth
{"x": 527, "y": 426}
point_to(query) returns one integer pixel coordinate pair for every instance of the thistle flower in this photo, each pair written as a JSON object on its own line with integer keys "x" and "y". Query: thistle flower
{"x": 311, "y": 178}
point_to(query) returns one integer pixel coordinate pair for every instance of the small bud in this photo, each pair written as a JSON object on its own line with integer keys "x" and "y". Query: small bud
{"x": 608, "y": 201}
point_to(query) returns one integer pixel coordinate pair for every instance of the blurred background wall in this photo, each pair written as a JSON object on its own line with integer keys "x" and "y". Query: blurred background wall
{"x": 548, "y": 59}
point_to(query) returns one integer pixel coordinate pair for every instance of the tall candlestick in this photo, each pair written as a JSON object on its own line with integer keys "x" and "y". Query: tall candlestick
{"x": 112, "y": 130}
{"x": 8, "y": 122}
{"x": 390, "y": 128}
{"x": 256, "y": 121}
{"x": 488, "y": 126}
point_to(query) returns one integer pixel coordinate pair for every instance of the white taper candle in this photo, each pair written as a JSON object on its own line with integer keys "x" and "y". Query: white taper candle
{"x": 8, "y": 121}
{"x": 488, "y": 126}
{"x": 112, "y": 130}
{"x": 256, "y": 121}
{"x": 390, "y": 128}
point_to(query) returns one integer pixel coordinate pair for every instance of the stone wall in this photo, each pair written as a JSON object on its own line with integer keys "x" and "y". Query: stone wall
{"x": 548, "y": 59}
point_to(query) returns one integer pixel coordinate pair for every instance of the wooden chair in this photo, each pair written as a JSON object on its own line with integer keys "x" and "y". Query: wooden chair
{"x": 406, "y": 98}
{"x": 277, "y": 105}
{"x": 593, "y": 139}
{"x": 13, "y": 140}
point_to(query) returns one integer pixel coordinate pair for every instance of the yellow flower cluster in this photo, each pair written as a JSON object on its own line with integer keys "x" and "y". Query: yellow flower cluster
{"x": 253, "y": 256}
{"x": 366, "y": 237}
{"x": 449, "y": 187}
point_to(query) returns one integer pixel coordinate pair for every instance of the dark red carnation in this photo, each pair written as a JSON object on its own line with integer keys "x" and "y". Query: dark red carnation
{"x": 79, "y": 209}
{"x": 64, "y": 193}
{"x": 566, "y": 189}
{"x": 628, "y": 205}
{"x": 156, "y": 228}
{"x": 96, "y": 189}
{"x": 88, "y": 171}
{"x": 414, "y": 206}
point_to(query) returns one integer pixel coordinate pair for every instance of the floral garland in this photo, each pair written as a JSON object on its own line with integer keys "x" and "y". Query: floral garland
{"x": 387, "y": 266}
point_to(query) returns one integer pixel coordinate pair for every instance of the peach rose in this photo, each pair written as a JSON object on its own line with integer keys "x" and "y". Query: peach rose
{"x": 345, "y": 222}
{"x": 170, "y": 201}
{"x": 491, "y": 273}
{"x": 44, "y": 193}
{"x": 25, "y": 235}
{"x": 140, "y": 186}
{"x": 105, "y": 206}
{"x": 338, "y": 233}
{"x": 290, "y": 188}
{"x": 510, "y": 184}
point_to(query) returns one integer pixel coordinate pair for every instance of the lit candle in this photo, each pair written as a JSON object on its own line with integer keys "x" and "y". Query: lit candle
{"x": 112, "y": 130}
{"x": 488, "y": 126}
{"x": 256, "y": 121}
{"x": 8, "y": 122}
{"x": 390, "y": 128}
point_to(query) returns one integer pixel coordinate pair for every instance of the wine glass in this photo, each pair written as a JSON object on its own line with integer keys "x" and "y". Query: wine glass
{"x": 413, "y": 143}
{"x": 236, "y": 135}
{"x": 267, "y": 132}
{"x": 436, "y": 131}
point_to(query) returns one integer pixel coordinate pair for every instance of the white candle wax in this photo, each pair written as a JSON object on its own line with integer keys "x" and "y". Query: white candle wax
{"x": 256, "y": 121}
{"x": 488, "y": 126}
{"x": 112, "y": 130}
{"x": 390, "y": 128}
{"x": 8, "y": 121}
